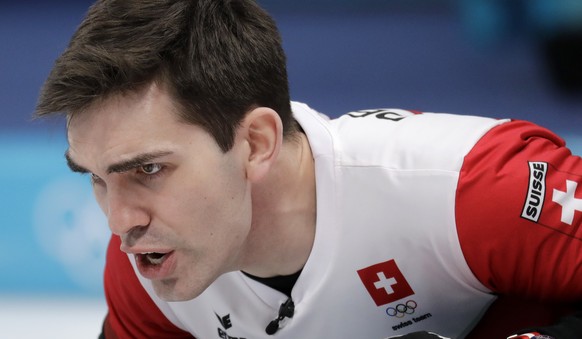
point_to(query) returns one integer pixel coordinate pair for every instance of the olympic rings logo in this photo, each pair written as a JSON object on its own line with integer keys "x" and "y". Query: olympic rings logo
{"x": 402, "y": 309}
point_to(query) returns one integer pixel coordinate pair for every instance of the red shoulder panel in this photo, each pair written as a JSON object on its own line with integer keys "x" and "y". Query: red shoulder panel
{"x": 519, "y": 213}
{"x": 132, "y": 313}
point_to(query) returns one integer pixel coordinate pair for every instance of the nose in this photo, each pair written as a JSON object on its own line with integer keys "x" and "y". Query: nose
{"x": 125, "y": 212}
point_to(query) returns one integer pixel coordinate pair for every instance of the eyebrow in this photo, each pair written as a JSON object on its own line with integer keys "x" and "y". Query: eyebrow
{"x": 122, "y": 166}
{"x": 73, "y": 165}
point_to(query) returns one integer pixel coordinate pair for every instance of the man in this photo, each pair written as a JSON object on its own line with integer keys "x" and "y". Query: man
{"x": 236, "y": 214}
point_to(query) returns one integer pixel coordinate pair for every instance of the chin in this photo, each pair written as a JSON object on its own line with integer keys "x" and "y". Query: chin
{"x": 171, "y": 290}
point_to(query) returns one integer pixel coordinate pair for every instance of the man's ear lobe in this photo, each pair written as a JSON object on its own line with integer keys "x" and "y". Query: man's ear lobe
{"x": 265, "y": 137}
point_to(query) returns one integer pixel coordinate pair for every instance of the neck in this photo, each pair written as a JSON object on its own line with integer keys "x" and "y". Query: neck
{"x": 284, "y": 214}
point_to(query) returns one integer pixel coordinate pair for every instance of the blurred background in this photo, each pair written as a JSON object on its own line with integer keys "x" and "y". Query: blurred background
{"x": 500, "y": 58}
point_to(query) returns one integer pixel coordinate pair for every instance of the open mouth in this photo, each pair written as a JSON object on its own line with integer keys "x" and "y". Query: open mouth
{"x": 156, "y": 265}
{"x": 152, "y": 258}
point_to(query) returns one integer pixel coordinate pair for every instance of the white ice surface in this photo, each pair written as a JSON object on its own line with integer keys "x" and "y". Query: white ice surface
{"x": 65, "y": 317}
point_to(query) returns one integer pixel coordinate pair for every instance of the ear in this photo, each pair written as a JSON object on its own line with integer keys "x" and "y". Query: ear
{"x": 263, "y": 130}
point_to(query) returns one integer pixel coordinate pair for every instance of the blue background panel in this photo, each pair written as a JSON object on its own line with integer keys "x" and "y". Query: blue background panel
{"x": 52, "y": 234}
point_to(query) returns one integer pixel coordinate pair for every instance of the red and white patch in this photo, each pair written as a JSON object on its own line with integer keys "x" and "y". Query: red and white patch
{"x": 554, "y": 198}
{"x": 385, "y": 282}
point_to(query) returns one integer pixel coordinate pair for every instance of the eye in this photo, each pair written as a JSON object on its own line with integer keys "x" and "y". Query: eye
{"x": 95, "y": 179}
{"x": 150, "y": 169}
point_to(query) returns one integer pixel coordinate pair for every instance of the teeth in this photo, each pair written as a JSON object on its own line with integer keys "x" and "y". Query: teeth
{"x": 154, "y": 258}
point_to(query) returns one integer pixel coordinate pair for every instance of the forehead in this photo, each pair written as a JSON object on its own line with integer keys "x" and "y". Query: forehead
{"x": 125, "y": 124}
{"x": 139, "y": 106}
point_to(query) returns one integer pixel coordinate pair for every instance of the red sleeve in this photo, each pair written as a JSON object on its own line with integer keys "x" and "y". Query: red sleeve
{"x": 132, "y": 313}
{"x": 519, "y": 214}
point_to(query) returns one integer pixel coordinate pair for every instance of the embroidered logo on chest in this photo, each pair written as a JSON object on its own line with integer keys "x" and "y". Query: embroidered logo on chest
{"x": 385, "y": 282}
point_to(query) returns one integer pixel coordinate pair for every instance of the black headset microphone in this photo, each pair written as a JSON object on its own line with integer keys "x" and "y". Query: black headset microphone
{"x": 286, "y": 310}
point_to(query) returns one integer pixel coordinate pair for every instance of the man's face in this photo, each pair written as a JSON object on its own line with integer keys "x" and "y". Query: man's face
{"x": 181, "y": 206}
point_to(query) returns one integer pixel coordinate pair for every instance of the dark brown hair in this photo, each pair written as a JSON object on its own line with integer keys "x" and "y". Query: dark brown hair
{"x": 217, "y": 59}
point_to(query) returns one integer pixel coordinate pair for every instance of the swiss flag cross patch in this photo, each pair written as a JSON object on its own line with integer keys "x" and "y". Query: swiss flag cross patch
{"x": 385, "y": 282}
{"x": 554, "y": 199}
